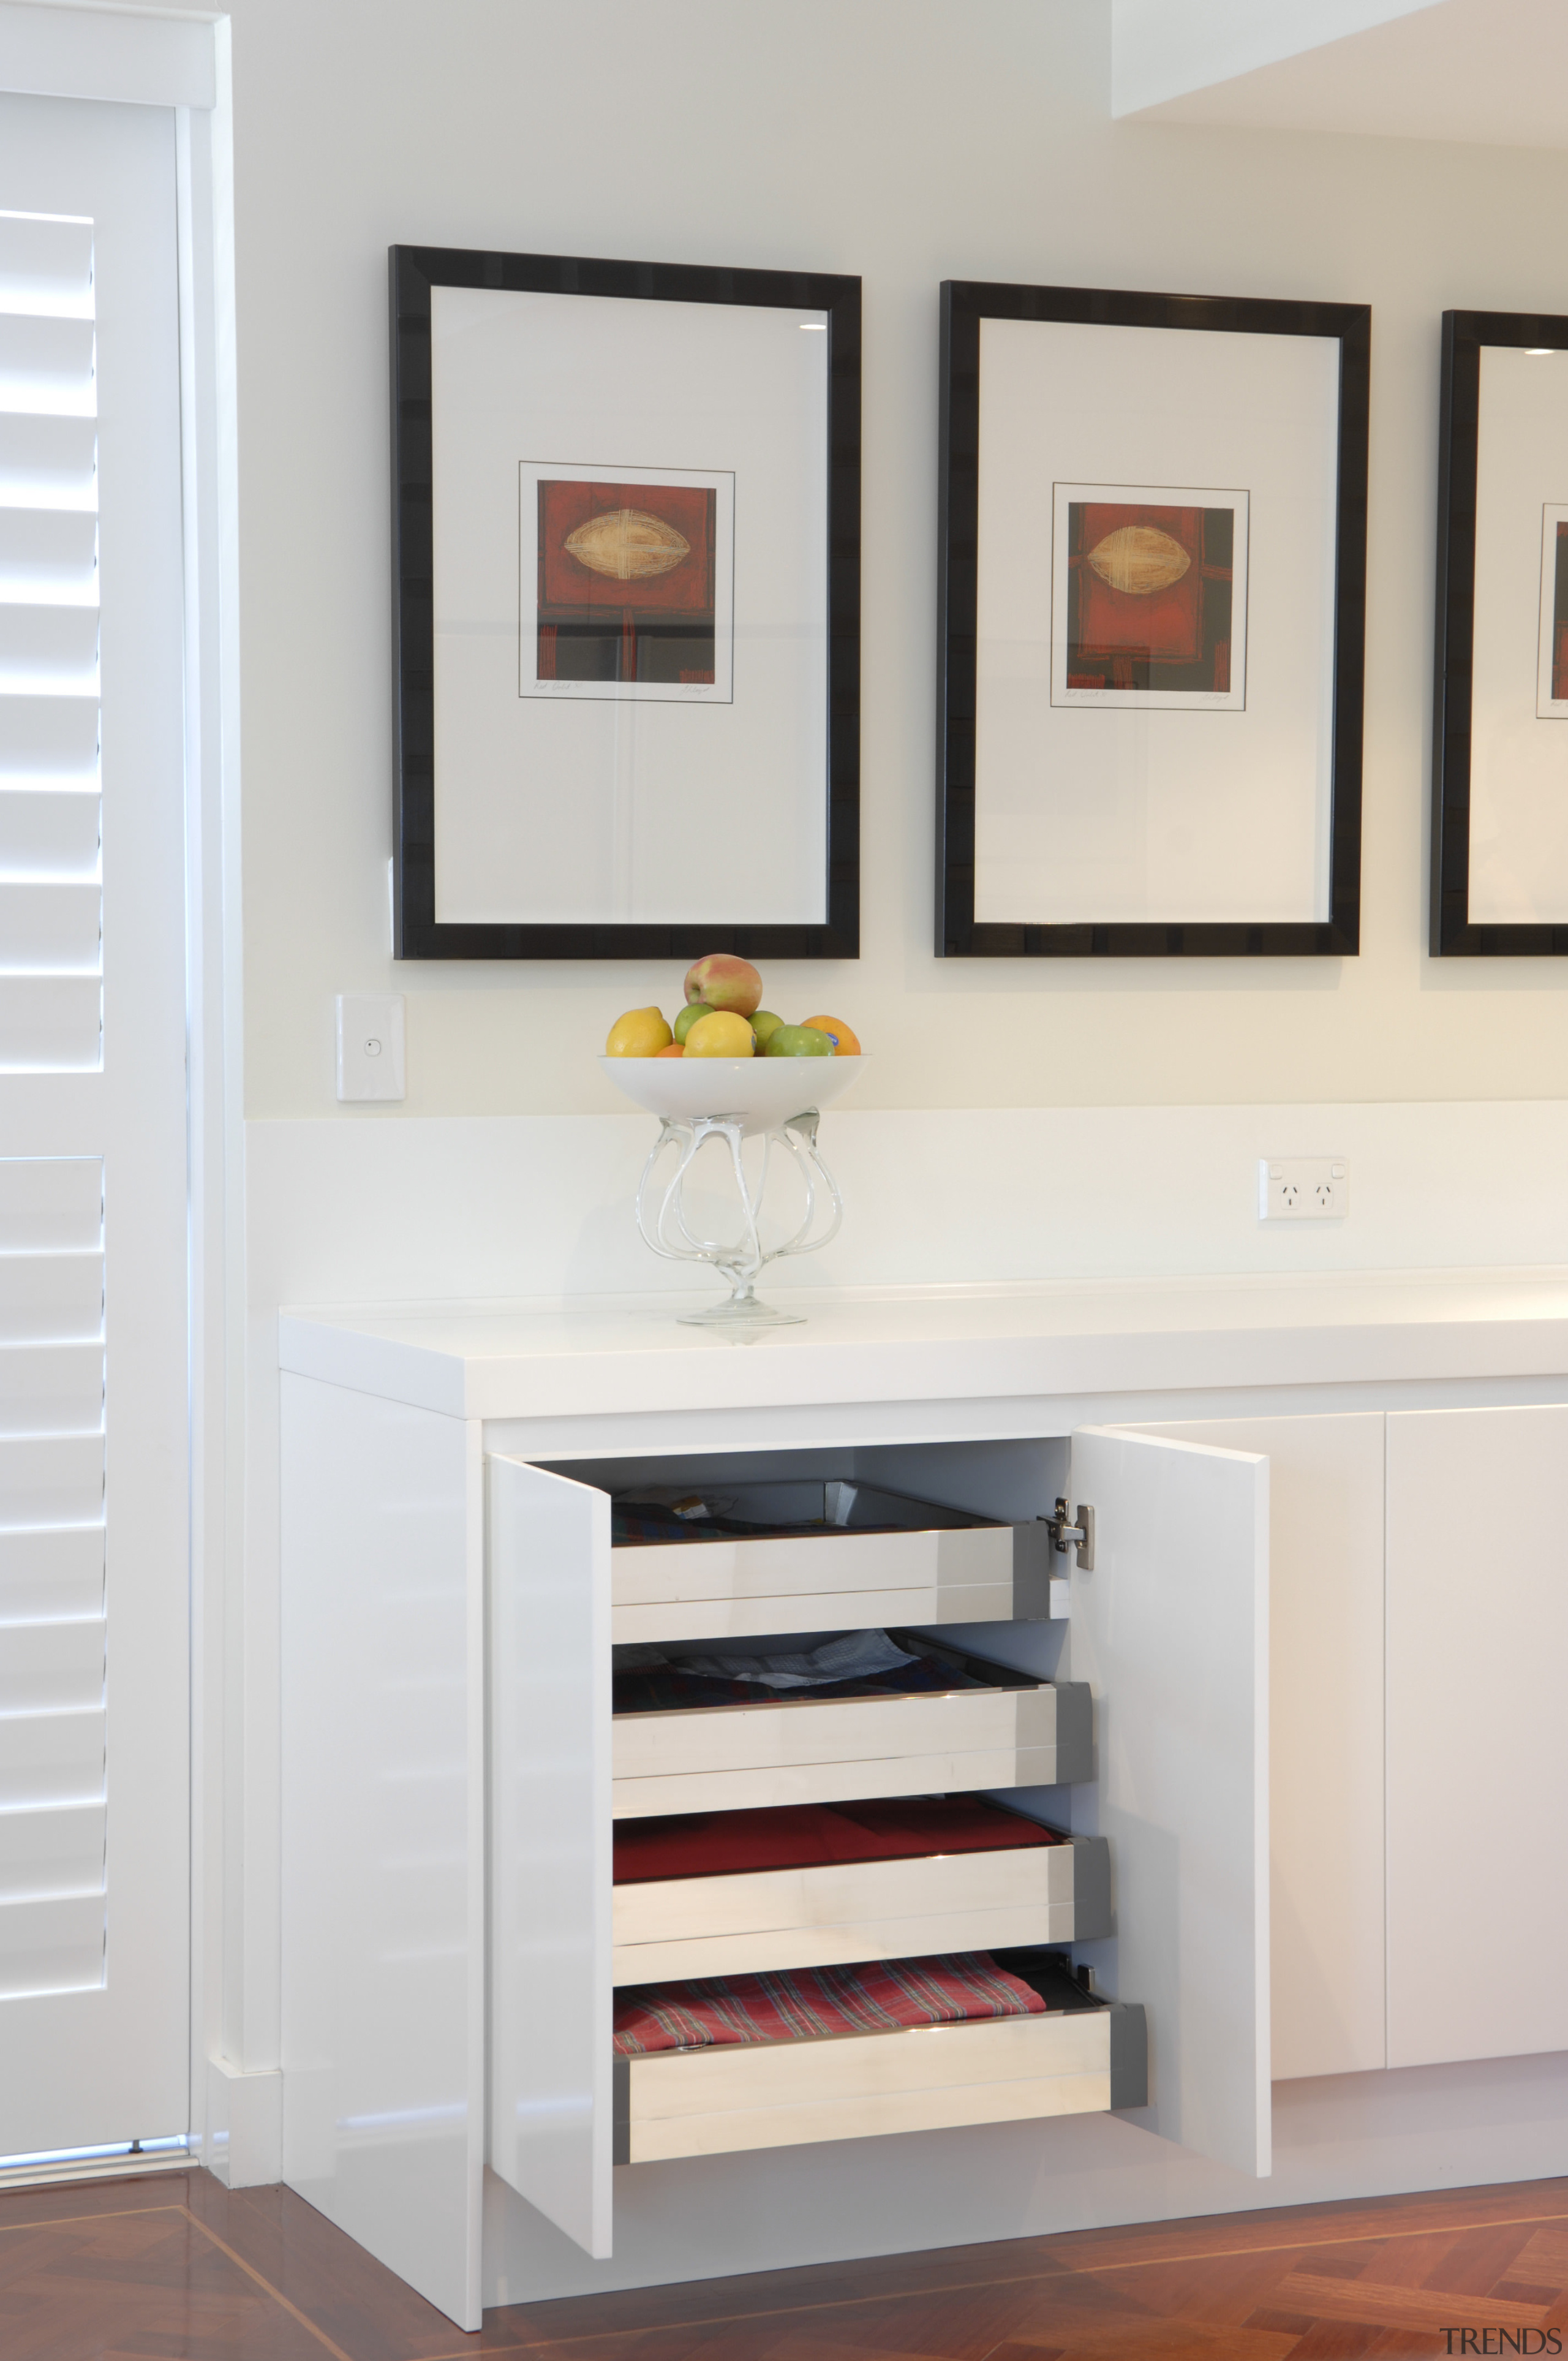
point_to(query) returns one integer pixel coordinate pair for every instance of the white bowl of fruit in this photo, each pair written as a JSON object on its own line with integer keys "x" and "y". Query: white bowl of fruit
{"x": 728, "y": 1055}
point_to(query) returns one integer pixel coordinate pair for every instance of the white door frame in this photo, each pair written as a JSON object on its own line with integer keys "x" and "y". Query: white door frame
{"x": 59, "y": 49}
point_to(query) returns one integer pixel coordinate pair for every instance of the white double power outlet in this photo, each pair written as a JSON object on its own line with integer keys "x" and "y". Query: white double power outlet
{"x": 1302, "y": 1189}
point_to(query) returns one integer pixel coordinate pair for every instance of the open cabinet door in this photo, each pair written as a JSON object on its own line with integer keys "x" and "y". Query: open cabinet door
{"x": 551, "y": 2129}
{"x": 1171, "y": 1628}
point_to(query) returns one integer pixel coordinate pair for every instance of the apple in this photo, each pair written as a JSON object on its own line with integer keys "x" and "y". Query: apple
{"x": 798, "y": 1041}
{"x": 720, "y": 980}
{"x": 640, "y": 1032}
{"x": 722, "y": 1034}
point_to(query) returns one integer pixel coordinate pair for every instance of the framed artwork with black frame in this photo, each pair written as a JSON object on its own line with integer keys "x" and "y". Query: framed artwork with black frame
{"x": 1499, "y": 823}
{"x": 625, "y": 591}
{"x": 1153, "y": 585}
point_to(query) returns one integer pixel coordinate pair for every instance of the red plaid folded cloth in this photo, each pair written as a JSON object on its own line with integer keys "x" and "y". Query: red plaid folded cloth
{"x": 808, "y": 2002}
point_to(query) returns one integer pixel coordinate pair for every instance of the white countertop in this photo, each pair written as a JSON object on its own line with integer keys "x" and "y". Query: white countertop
{"x": 591, "y": 1355}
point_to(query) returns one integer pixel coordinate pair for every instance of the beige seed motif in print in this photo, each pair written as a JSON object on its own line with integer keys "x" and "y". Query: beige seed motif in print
{"x": 1139, "y": 558}
{"x": 629, "y": 544}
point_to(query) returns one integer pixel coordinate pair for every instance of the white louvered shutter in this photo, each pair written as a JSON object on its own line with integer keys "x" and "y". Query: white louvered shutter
{"x": 93, "y": 1392}
{"x": 50, "y": 929}
{"x": 52, "y": 1799}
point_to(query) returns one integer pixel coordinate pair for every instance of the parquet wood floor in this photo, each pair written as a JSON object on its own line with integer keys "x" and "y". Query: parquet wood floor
{"x": 174, "y": 2267}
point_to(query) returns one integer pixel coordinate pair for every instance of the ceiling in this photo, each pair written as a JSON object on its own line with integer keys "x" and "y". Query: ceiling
{"x": 1489, "y": 70}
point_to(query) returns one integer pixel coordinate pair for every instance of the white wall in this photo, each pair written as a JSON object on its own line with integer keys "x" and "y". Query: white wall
{"x": 906, "y": 140}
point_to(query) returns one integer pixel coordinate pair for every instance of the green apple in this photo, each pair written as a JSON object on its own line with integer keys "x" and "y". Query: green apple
{"x": 720, "y": 980}
{"x": 763, "y": 1025}
{"x": 687, "y": 1018}
{"x": 797, "y": 1041}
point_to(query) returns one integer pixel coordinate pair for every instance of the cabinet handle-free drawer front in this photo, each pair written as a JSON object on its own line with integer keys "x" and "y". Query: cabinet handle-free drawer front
{"x": 709, "y": 1589}
{"x": 842, "y": 1783}
{"x": 706, "y": 2102}
{"x": 744, "y": 1616}
{"x": 740, "y": 1757}
{"x": 755, "y": 1737}
{"x": 832, "y": 1914}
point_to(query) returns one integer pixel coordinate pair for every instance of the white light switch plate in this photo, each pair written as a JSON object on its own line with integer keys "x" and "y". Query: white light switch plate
{"x": 1302, "y": 1189}
{"x": 370, "y": 1045}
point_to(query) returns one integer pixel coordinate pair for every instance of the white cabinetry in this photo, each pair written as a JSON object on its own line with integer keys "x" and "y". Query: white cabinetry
{"x": 449, "y": 1924}
{"x": 383, "y": 1821}
{"x": 1478, "y": 1733}
{"x": 1170, "y": 1633}
{"x": 1326, "y": 1715}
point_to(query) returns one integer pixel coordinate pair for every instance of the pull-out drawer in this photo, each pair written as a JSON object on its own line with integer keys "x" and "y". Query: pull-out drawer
{"x": 1012, "y": 1732}
{"x": 857, "y": 1555}
{"x": 834, "y": 1913}
{"x": 856, "y": 2086}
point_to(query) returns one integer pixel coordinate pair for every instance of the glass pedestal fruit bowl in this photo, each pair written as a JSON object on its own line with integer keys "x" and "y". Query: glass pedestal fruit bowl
{"x": 731, "y": 1100}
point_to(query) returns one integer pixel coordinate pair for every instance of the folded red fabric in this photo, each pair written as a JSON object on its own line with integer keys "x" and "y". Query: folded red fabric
{"x": 797, "y": 1836}
{"x": 722, "y": 2011}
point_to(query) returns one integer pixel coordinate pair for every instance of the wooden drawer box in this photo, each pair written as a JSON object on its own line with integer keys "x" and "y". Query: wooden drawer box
{"x": 835, "y": 1913}
{"x": 855, "y": 2086}
{"x": 1014, "y": 1733}
{"x": 941, "y": 1567}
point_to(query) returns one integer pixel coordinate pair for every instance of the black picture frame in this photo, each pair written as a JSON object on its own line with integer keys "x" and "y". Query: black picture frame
{"x": 1453, "y": 933}
{"x": 417, "y": 933}
{"x": 965, "y": 303}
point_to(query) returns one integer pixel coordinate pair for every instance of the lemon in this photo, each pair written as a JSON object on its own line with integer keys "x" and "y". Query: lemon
{"x": 722, "y": 1034}
{"x": 640, "y": 1032}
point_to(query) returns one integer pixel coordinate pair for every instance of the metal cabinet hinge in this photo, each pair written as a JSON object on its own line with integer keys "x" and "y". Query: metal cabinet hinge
{"x": 1080, "y": 1535}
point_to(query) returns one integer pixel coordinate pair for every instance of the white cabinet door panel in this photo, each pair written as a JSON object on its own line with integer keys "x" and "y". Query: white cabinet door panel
{"x": 1171, "y": 1631}
{"x": 1326, "y": 1744}
{"x": 383, "y": 1829}
{"x": 552, "y": 2096}
{"x": 1478, "y": 1733}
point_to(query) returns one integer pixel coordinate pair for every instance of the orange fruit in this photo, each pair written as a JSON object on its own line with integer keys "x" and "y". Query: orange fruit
{"x": 844, "y": 1042}
{"x": 676, "y": 1050}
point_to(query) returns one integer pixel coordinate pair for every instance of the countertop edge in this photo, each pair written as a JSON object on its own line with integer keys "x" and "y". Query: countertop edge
{"x": 1199, "y": 1356}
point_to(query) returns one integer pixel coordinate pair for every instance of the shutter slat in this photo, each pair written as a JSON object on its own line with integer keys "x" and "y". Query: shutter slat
{"x": 49, "y": 463}
{"x": 50, "y": 1024}
{"x": 56, "y": 1758}
{"x": 48, "y": 1855}
{"x": 58, "y": 1481}
{"x": 52, "y": 1668}
{"x": 51, "y": 1389}
{"x": 49, "y": 556}
{"x": 48, "y": 927}
{"x": 48, "y": 741}
{"x": 46, "y": 265}
{"x": 48, "y": 651}
{"x": 47, "y": 833}
{"x": 52, "y": 1570}
{"x": 50, "y": 1947}
{"x": 51, "y": 1201}
{"x": 53, "y": 1299}
{"x": 46, "y": 367}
